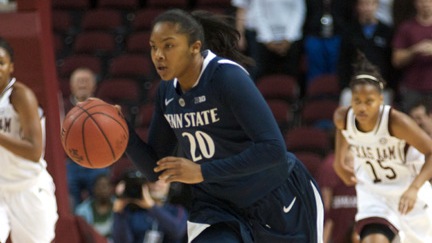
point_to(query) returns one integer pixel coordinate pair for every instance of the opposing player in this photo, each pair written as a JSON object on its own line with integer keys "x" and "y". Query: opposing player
{"x": 393, "y": 198}
{"x": 246, "y": 187}
{"x": 28, "y": 209}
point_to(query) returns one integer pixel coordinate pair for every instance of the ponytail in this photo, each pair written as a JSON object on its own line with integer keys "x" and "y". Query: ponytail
{"x": 221, "y": 37}
{"x": 366, "y": 73}
{"x": 214, "y": 32}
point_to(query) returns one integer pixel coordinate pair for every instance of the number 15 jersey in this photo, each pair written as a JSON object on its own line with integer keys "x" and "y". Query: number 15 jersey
{"x": 380, "y": 159}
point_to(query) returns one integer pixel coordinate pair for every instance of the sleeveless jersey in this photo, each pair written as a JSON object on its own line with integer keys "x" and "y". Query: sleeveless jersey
{"x": 16, "y": 172}
{"x": 380, "y": 159}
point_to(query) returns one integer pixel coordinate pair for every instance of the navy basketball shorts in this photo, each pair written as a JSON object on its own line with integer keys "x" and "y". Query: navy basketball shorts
{"x": 293, "y": 212}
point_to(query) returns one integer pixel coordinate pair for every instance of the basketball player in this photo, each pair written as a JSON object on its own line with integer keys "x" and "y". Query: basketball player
{"x": 246, "y": 187}
{"x": 393, "y": 197}
{"x": 28, "y": 209}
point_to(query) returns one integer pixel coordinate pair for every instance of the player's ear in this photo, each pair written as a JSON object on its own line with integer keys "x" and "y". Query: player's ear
{"x": 196, "y": 47}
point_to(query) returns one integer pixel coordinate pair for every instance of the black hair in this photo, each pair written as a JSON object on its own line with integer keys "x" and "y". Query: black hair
{"x": 5, "y": 45}
{"x": 425, "y": 102}
{"x": 213, "y": 30}
{"x": 366, "y": 73}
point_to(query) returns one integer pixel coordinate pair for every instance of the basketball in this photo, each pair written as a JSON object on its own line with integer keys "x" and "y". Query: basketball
{"x": 94, "y": 134}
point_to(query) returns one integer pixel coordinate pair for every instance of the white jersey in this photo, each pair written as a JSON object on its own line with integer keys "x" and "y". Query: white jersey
{"x": 380, "y": 159}
{"x": 384, "y": 167}
{"x": 16, "y": 172}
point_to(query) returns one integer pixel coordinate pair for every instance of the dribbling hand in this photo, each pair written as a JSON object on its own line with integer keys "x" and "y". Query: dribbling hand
{"x": 407, "y": 200}
{"x": 346, "y": 174}
{"x": 177, "y": 169}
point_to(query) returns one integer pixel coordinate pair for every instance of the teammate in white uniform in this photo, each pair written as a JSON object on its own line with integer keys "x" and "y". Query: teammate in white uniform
{"x": 393, "y": 192}
{"x": 28, "y": 209}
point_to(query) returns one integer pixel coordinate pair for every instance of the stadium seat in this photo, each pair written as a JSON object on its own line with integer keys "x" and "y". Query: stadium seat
{"x": 119, "y": 4}
{"x": 80, "y": 5}
{"x": 308, "y": 139}
{"x": 62, "y": 21}
{"x": 279, "y": 86}
{"x": 133, "y": 66}
{"x": 145, "y": 114}
{"x": 103, "y": 19}
{"x": 67, "y": 65}
{"x": 59, "y": 44}
{"x": 95, "y": 42}
{"x": 138, "y": 42}
{"x": 144, "y": 18}
{"x": 119, "y": 91}
{"x": 318, "y": 112}
{"x": 324, "y": 86}
{"x": 213, "y": 3}
{"x": 152, "y": 89}
{"x": 215, "y": 6}
{"x": 311, "y": 160}
{"x": 282, "y": 112}
{"x": 182, "y": 4}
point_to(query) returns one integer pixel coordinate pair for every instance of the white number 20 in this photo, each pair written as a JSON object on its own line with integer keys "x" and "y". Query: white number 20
{"x": 201, "y": 145}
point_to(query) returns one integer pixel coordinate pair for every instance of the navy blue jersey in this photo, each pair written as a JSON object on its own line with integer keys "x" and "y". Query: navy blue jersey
{"x": 224, "y": 124}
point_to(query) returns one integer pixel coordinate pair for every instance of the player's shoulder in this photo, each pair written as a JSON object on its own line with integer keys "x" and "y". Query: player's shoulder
{"x": 399, "y": 118}
{"x": 226, "y": 67}
{"x": 22, "y": 91}
{"x": 339, "y": 116}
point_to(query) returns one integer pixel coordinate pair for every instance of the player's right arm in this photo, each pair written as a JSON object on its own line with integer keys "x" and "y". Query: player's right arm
{"x": 161, "y": 141}
{"x": 30, "y": 145}
{"x": 345, "y": 172}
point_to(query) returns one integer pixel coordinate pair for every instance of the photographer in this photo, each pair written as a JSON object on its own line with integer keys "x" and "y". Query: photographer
{"x": 143, "y": 214}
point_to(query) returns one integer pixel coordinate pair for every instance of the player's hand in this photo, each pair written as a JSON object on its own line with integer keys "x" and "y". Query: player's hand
{"x": 176, "y": 169}
{"x": 346, "y": 173}
{"x": 407, "y": 200}
{"x": 146, "y": 201}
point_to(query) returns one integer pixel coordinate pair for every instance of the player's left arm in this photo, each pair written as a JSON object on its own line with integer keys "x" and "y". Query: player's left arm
{"x": 239, "y": 94}
{"x": 404, "y": 127}
{"x": 30, "y": 145}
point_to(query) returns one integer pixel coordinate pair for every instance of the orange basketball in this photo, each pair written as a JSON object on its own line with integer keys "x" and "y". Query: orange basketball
{"x": 94, "y": 134}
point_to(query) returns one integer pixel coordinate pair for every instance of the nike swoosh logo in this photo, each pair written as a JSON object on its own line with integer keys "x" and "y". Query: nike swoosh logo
{"x": 287, "y": 209}
{"x": 168, "y": 101}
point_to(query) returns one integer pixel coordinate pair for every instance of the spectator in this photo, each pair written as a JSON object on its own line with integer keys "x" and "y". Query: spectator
{"x": 422, "y": 115}
{"x": 80, "y": 179}
{"x": 82, "y": 84}
{"x": 402, "y": 10}
{"x": 245, "y": 24}
{"x": 385, "y": 12}
{"x": 97, "y": 209}
{"x": 278, "y": 26}
{"x": 326, "y": 20}
{"x": 142, "y": 212}
{"x": 371, "y": 37}
{"x": 412, "y": 53}
{"x": 340, "y": 203}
